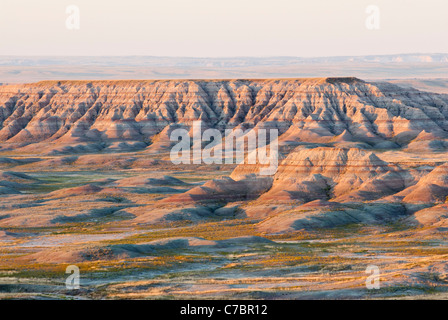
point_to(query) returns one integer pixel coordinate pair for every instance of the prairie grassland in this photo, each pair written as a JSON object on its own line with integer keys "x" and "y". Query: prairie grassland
{"x": 80, "y": 214}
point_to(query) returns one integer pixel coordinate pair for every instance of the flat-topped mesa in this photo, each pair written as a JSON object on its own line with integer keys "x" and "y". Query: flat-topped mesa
{"x": 349, "y": 80}
{"x": 78, "y": 116}
{"x": 141, "y": 82}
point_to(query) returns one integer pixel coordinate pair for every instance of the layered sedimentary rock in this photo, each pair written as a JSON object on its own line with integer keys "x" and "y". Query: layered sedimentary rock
{"x": 83, "y": 116}
{"x": 337, "y": 138}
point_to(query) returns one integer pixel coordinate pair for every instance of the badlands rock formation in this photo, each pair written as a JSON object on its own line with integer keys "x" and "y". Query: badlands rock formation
{"x": 82, "y": 116}
{"x": 347, "y": 147}
{"x": 86, "y": 178}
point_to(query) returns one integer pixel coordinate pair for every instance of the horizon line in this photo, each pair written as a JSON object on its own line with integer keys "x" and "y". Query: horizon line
{"x": 229, "y": 57}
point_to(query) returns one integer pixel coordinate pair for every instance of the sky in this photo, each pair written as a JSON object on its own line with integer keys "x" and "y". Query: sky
{"x": 224, "y": 28}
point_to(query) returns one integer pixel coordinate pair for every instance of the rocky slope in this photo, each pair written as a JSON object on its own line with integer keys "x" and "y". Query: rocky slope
{"x": 83, "y": 116}
{"x": 347, "y": 147}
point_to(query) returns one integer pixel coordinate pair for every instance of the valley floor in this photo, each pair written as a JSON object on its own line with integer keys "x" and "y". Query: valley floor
{"x": 90, "y": 215}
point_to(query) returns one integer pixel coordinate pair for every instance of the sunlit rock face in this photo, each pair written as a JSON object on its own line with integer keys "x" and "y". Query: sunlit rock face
{"x": 87, "y": 116}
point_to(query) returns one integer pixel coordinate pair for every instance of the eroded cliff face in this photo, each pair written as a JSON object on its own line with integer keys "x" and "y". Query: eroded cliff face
{"x": 342, "y": 141}
{"x": 55, "y": 115}
{"x": 86, "y": 178}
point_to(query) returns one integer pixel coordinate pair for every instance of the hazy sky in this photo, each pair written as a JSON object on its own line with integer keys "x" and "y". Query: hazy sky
{"x": 211, "y": 28}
